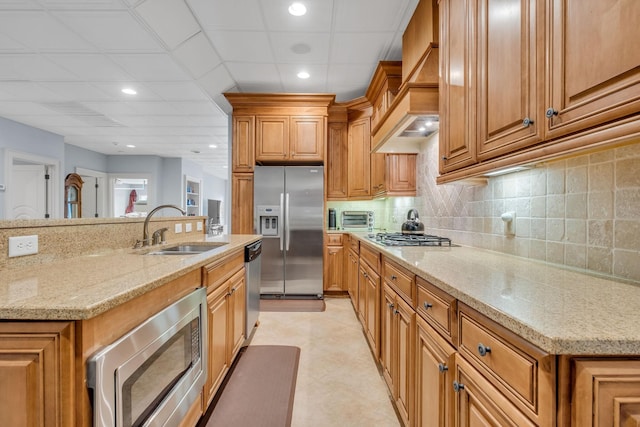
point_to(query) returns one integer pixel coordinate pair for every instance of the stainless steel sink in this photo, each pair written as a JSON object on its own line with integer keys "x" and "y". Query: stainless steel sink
{"x": 187, "y": 249}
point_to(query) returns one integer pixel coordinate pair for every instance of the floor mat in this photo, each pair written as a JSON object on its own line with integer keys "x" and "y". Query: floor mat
{"x": 292, "y": 305}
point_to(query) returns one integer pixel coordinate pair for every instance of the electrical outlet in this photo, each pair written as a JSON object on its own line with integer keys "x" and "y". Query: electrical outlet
{"x": 23, "y": 245}
{"x": 187, "y": 227}
{"x": 177, "y": 228}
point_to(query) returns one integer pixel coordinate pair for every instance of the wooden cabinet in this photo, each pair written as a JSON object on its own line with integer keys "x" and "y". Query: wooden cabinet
{"x": 37, "y": 373}
{"x": 226, "y": 288}
{"x": 594, "y": 67}
{"x": 438, "y": 308}
{"x": 378, "y": 166}
{"x": 242, "y": 203}
{"x": 352, "y": 269}
{"x": 434, "y": 376}
{"x": 397, "y": 337}
{"x": 333, "y": 263}
{"x": 290, "y": 138}
{"x": 244, "y": 144}
{"x": 393, "y": 175}
{"x": 369, "y": 296}
{"x": 336, "y": 164}
{"x": 358, "y": 159}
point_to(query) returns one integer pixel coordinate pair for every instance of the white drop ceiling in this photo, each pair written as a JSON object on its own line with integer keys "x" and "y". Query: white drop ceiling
{"x": 63, "y": 64}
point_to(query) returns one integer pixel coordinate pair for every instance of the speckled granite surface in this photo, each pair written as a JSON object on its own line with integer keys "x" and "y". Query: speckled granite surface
{"x": 85, "y": 286}
{"x": 562, "y": 311}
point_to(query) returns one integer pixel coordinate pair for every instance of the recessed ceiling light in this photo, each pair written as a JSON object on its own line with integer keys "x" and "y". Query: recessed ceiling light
{"x": 303, "y": 75}
{"x": 129, "y": 91}
{"x": 131, "y": 146}
{"x": 213, "y": 146}
{"x": 297, "y": 9}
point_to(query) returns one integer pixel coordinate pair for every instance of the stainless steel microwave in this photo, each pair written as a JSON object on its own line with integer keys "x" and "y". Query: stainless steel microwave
{"x": 357, "y": 220}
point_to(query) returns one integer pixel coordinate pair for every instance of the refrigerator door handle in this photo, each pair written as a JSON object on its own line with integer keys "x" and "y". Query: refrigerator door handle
{"x": 281, "y": 217}
{"x": 286, "y": 222}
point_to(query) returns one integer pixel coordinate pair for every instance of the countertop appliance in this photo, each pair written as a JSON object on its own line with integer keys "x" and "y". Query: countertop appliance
{"x": 153, "y": 374}
{"x": 357, "y": 220}
{"x": 412, "y": 225}
{"x": 252, "y": 264}
{"x": 401, "y": 239}
{"x": 288, "y": 213}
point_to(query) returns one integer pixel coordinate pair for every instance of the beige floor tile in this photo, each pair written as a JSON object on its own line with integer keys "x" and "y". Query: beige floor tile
{"x": 338, "y": 381}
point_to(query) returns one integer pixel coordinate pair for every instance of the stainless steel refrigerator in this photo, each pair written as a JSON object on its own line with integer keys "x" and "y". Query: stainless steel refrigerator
{"x": 288, "y": 203}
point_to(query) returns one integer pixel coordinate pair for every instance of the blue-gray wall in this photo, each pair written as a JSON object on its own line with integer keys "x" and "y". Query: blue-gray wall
{"x": 77, "y": 157}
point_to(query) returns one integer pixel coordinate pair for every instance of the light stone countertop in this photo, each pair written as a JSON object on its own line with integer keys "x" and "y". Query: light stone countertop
{"x": 83, "y": 287}
{"x": 561, "y": 310}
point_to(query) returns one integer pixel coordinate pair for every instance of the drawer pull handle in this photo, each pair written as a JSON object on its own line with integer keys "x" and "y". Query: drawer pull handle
{"x": 427, "y": 306}
{"x": 457, "y": 386}
{"x": 442, "y": 367}
{"x": 393, "y": 277}
{"x": 551, "y": 112}
{"x": 483, "y": 349}
{"x": 526, "y": 122}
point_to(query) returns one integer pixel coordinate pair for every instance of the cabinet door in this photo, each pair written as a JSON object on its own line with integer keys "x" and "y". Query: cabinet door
{"x": 272, "y": 138}
{"x": 334, "y": 258}
{"x": 307, "y": 139}
{"x": 401, "y": 175}
{"x": 405, "y": 319}
{"x": 217, "y": 317}
{"x": 457, "y": 84}
{"x": 352, "y": 274}
{"x": 378, "y": 172}
{"x": 434, "y": 376}
{"x": 242, "y": 203}
{"x": 373, "y": 310}
{"x": 336, "y": 169}
{"x": 387, "y": 337}
{"x": 362, "y": 293}
{"x": 594, "y": 63}
{"x": 478, "y": 403}
{"x": 244, "y": 143}
{"x": 359, "y": 158}
{"x": 36, "y": 373}
{"x": 510, "y": 73}
{"x": 237, "y": 304}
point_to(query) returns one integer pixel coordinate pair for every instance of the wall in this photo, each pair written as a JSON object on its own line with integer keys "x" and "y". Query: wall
{"x": 75, "y": 157}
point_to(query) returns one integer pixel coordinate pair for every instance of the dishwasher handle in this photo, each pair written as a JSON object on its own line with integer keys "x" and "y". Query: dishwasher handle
{"x": 252, "y": 251}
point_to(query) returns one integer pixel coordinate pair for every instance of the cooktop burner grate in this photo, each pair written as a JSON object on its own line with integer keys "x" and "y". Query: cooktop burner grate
{"x": 399, "y": 239}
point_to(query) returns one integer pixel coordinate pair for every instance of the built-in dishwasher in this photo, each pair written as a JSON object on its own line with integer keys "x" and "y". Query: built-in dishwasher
{"x": 252, "y": 261}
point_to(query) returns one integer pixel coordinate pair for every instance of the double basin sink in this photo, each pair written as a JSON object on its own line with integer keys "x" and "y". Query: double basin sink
{"x": 187, "y": 248}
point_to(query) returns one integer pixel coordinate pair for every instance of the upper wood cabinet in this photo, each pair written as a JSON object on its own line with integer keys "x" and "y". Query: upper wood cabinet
{"x": 294, "y": 138}
{"x": 378, "y": 174}
{"x": 336, "y": 163}
{"x": 243, "y": 139}
{"x": 594, "y": 64}
{"x": 358, "y": 159}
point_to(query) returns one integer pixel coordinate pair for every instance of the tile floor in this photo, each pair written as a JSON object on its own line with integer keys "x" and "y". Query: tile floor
{"x": 338, "y": 382}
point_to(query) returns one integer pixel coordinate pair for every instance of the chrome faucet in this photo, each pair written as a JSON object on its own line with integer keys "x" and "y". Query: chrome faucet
{"x": 145, "y": 231}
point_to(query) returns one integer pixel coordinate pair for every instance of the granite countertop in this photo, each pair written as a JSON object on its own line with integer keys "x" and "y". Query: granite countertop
{"x": 83, "y": 287}
{"x": 559, "y": 309}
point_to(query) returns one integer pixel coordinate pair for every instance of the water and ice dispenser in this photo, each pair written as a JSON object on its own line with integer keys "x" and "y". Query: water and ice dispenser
{"x": 269, "y": 217}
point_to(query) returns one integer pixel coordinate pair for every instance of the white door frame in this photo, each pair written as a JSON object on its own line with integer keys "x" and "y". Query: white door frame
{"x": 103, "y": 201}
{"x": 10, "y": 156}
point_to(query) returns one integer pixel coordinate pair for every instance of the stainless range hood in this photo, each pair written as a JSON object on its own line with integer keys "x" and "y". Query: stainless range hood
{"x": 413, "y": 115}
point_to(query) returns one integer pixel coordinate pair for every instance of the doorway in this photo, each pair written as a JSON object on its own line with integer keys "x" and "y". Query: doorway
{"x": 94, "y": 193}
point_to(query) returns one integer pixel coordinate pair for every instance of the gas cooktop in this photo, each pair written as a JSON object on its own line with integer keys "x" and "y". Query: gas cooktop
{"x": 399, "y": 239}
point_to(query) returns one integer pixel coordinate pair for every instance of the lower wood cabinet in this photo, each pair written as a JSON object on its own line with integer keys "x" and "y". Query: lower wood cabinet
{"x": 333, "y": 264}
{"x": 37, "y": 373}
{"x": 351, "y": 276}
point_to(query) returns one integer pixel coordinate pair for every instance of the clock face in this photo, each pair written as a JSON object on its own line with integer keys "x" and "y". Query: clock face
{"x": 72, "y": 194}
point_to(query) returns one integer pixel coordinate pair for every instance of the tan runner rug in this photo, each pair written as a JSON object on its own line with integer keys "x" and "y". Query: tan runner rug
{"x": 292, "y": 305}
{"x": 260, "y": 389}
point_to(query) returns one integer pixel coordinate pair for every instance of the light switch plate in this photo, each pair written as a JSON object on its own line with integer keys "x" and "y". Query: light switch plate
{"x": 177, "y": 228}
{"x": 187, "y": 227}
{"x": 23, "y": 245}
{"x": 199, "y": 226}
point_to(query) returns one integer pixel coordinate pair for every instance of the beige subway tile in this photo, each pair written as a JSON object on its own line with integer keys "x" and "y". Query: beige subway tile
{"x": 555, "y": 206}
{"x": 539, "y": 228}
{"x": 523, "y": 227}
{"x": 628, "y": 203}
{"x": 578, "y": 161}
{"x": 523, "y": 184}
{"x": 555, "y": 181}
{"x": 576, "y": 205}
{"x": 555, "y": 252}
{"x": 627, "y": 234}
{"x": 600, "y": 233}
{"x": 539, "y": 207}
{"x": 522, "y": 247}
{"x": 538, "y": 249}
{"x": 626, "y": 265}
{"x": 627, "y": 173}
{"x": 575, "y": 255}
{"x": 576, "y": 231}
{"x": 601, "y": 156}
{"x": 601, "y": 177}
{"x": 555, "y": 230}
{"x": 577, "y": 180}
{"x": 539, "y": 182}
{"x": 631, "y": 150}
{"x": 523, "y": 207}
{"x": 601, "y": 205}
{"x": 600, "y": 259}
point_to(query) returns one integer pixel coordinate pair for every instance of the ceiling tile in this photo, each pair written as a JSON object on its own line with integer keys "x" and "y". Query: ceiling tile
{"x": 7, "y": 44}
{"x": 153, "y": 67}
{"x": 197, "y": 55}
{"x": 178, "y": 91}
{"x": 40, "y": 31}
{"x": 216, "y": 81}
{"x": 239, "y": 15}
{"x": 109, "y": 108}
{"x": 285, "y": 46}
{"x": 381, "y": 15}
{"x": 316, "y": 83}
{"x": 77, "y": 91}
{"x": 24, "y": 108}
{"x": 32, "y": 67}
{"x": 114, "y": 90}
{"x": 26, "y": 91}
{"x": 114, "y": 31}
{"x": 196, "y": 108}
{"x": 359, "y": 48}
{"x": 90, "y": 67}
{"x": 317, "y": 19}
{"x": 242, "y": 45}
{"x": 266, "y": 74}
{"x": 171, "y": 20}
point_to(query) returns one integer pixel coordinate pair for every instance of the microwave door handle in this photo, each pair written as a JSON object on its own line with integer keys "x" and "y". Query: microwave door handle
{"x": 286, "y": 222}
{"x": 280, "y": 218}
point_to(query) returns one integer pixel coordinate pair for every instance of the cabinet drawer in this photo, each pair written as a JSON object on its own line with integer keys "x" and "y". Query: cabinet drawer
{"x": 506, "y": 359}
{"x": 334, "y": 239}
{"x": 354, "y": 243}
{"x": 438, "y": 308}
{"x": 371, "y": 257}
{"x": 217, "y": 272}
{"x": 400, "y": 279}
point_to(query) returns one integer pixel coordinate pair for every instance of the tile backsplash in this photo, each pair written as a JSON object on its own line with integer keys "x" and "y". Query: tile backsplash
{"x": 582, "y": 212}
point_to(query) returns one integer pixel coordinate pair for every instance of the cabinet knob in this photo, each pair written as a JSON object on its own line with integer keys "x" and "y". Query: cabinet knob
{"x": 442, "y": 367}
{"x": 457, "y": 386}
{"x": 427, "y": 306}
{"x": 395, "y": 311}
{"x": 444, "y": 157}
{"x": 390, "y": 305}
{"x": 483, "y": 349}
{"x": 365, "y": 275}
{"x": 394, "y": 277}
{"x": 551, "y": 112}
{"x": 527, "y": 122}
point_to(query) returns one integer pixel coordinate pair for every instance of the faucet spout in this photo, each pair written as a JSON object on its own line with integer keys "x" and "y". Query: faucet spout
{"x": 145, "y": 231}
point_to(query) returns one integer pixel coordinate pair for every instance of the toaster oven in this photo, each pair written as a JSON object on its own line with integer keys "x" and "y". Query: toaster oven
{"x": 357, "y": 220}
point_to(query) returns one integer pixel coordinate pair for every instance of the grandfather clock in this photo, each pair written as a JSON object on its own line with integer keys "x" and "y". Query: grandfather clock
{"x": 73, "y": 196}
